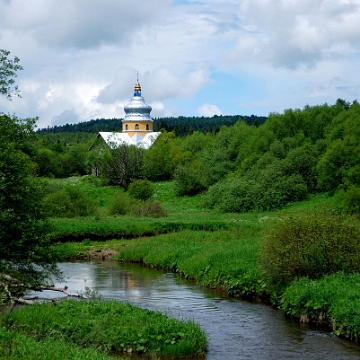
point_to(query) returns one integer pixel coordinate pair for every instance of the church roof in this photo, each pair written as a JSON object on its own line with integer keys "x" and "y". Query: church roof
{"x": 116, "y": 139}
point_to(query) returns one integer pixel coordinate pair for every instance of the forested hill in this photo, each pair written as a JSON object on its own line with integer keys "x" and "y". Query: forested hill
{"x": 182, "y": 125}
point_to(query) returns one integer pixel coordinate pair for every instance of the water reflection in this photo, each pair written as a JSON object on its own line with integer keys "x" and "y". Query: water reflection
{"x": 236, "y": 329}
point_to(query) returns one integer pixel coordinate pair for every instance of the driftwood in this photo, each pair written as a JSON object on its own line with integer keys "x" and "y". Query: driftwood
{"x": 14, "y": 283}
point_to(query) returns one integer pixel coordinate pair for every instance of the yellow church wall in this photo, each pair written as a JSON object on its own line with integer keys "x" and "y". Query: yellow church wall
{"x": 140, "y": 126}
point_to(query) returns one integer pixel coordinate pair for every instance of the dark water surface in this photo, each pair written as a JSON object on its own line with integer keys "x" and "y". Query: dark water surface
{"x": 236, "y": 329}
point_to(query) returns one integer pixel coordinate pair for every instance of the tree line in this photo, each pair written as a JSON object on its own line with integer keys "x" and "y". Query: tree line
{"x": 181, "y": 125}
{"x": 240, "y": 167}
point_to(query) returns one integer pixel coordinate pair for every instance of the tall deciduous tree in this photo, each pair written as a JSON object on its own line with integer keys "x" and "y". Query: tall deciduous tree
{"x": 121, "y": 164}
{"x": 8, "y": 69}
{"x": 25, "y": 259}
{"x": 24, "y": 241}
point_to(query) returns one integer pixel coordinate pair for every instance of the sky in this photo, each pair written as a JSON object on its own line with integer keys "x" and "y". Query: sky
{"x": 194, "y": 57}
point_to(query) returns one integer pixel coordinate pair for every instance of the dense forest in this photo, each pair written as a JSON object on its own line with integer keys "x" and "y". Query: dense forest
{"x": 240, "y": 167}
{"x": 181, "y": 125}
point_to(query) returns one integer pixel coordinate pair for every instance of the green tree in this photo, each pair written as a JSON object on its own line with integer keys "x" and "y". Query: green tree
{"x": 121, "y": 165}
{"x": 8, "y": 70}
{"x": 159, "y": 159}
{"x": 24, "y": 241}
{"x": 339, "y": 167}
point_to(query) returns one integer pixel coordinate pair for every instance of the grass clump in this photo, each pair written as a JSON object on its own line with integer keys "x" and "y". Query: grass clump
{"x": 333, "y": 301}
{"x": 311, "y": 245}
{"x": 15, "y": 346}
{"x": 111, "y": 327}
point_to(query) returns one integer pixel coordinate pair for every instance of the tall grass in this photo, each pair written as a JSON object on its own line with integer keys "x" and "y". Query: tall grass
{"x": 223, "y": 259}
{"x": 15, "y": 346}
{"x": 112, "y": 327}
{"x": 333, "y": 300}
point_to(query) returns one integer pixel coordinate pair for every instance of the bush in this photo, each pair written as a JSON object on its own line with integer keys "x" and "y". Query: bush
{"x": 233, "y": 195}
{"x": 69, "y": 202}
{"x": 349, "y": 200}
{"x": 190, "y": 178}
{"x": 121, "y": 205}
{"x": 271, "y": 190}
{"x": 92, "y": 179}
{"x": 141, "y": 189}
{"x": 149, "y": 208}
{"x": 313, "y": 245}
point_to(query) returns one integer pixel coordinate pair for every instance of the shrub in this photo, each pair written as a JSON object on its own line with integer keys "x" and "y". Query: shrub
{"x": 69, "y": 202}
{"x": 313, "y": 245}
{"x": 141, "y": 189}
{"x": 271, "y": 190}
{"x": 92, "y": 179}
{"x": 349, "y": 200}
{"x": 149, "y": 208}
{"x": 233, "y": 195}
{"x": 121, "y": 205}
{"x": 190, "y": 178}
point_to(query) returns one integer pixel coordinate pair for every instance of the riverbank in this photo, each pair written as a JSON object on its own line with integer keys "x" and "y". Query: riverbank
{"x": 229, "y": 260}
{"x": 111, "y": 328}
{"x": 215, "y": 250}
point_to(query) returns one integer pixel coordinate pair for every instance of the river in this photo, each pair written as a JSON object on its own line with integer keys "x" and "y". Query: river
{"x": 236, "y": 329}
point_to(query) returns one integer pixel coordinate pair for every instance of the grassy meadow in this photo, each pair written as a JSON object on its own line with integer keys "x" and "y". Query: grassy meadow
{"x": 220, "y": 251}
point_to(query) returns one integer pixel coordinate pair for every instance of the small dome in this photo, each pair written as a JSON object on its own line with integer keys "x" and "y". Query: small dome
{"x": 137, "y": 87}
{"x": 137, "y": 110}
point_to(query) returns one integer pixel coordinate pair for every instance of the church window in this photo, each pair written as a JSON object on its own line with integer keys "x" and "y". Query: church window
{"x": 137, "y": 127}
{"x": 126, "y": 127}
{"x": 147, "y": 126}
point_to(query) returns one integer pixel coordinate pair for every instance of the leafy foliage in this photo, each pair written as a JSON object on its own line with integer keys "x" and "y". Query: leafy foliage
{"x": 141, "y": 189}
{"x": 160, "y": 160}
{"x": 69, "y": 202}
{"x": 120, "y": 165}
{"x": 313, "y": 245}
{"x": 349, "y": 200}
{"x": 190, "y": 178}
{"x": 8, "y": 69}
{"x": 24, "y": 228}
{"x": 264, "y": 188}
{"x": 121, "y": 205}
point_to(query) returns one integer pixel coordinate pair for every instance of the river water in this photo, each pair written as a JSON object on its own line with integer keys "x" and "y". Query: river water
{"x": 236, "y": 329}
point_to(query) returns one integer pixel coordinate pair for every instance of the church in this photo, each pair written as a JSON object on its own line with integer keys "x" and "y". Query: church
{"x": 137, "y": 126}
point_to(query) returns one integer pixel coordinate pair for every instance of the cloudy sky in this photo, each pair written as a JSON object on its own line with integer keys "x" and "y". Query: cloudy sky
{"x": 194, "y": 57}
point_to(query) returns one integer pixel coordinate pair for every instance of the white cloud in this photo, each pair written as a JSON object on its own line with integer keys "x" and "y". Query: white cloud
{"x": 80, "y": 57}
{"x": 291, "y": 34}
{"x": 162, "y": 83}
{"x": 208, "y": 110}
{"x": 79, "y": 24}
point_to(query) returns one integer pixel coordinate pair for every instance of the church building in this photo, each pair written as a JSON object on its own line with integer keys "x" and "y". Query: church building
{"x": 137, "y": 126}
